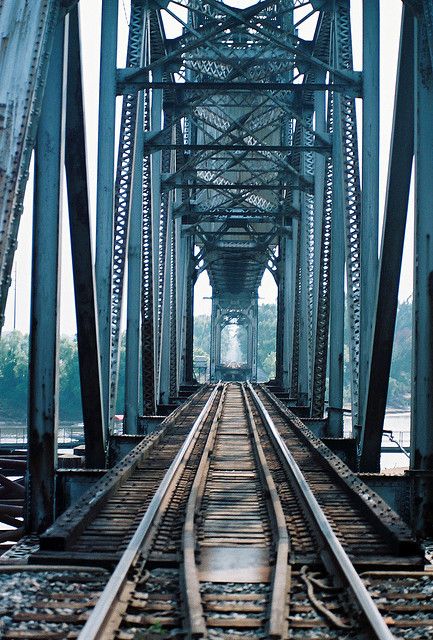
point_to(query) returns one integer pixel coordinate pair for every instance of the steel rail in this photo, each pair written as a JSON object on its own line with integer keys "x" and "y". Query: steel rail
{"x": 278, "y": 611}
{"x": 333, "y": 555}
{"x": 100, "y": 616}
{"x": 196, "y": 619}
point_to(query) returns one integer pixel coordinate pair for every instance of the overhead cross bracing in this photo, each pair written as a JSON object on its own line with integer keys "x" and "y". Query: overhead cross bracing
{"x": 249, "y": 93}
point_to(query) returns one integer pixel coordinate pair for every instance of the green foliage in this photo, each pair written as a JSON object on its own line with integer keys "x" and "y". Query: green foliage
{"x": 14, "y": 348}
{"x": 14, "y": 364}
{"x": 266, "y": 339}
{"x": 69, "y": 387}
{"x": 399, "y": 390}
{"x": 400, "y": 378}
{"x": 201, "y": 335}
{"x": 13, "y": 375}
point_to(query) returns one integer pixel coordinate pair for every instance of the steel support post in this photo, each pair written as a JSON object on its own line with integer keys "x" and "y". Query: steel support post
{"x": 254, "y": 338}
{"x": 288, "y": 293}
{"x": 218, "y": 335}
{"x": 279, "y": 336}
{"x": 294, "y": 355}
{"x": 174, "y": 320}
{"x": 105, "y": 190}
{"x": 422, "y": 368}
{"x": 213, "y": 320}
{"x": 148, "y": 354}
{"x": 182, "y": 272}
{"x": 155, "y": 178}
{"x": 82, "y": 263}
{"x": 164, "y": 359}
{"x": 304, "y": 315}
{"x": 133, "y": 317}
{"x": 44, "y": 323}
{"x": 397, "y": 198}
{"x": 370, "y": 188}
{"x": 189, "y": 315}
{"x": 319, "y": 191}
{"x": 336, "y": 335}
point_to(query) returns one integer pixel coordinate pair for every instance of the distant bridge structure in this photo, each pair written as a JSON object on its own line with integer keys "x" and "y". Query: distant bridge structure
{"x": 237, "y": 153}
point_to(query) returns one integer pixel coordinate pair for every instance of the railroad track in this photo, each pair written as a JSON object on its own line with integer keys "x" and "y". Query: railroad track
{"x": 256, "y": 530}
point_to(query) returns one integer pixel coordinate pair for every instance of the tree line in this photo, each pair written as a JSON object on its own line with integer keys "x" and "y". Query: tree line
{"x": 14, "y": 364}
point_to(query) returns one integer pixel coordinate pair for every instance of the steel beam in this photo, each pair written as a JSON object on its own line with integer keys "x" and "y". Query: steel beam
{"x": 319, "y": 191}
{"x": 336, "y": 334}
{"x": 164, "y": 356}
{"x": 287, "y": 150}
{"x": 421, "y": 461}
{"x": 213, "y": 340}
{"x": 155, "y": 186}
{"x": 44, "y": 316}
{"x": 370, "y": 188}
{"x": 27, "y": 31}
{"x": 135, "y": 79}
{"x": 397, "y": 197}
{"x": 133, "y": 315}
{"x": 189, "y": 315}
{"x": 105, "y": 190}
{"x": 82, "y": 263}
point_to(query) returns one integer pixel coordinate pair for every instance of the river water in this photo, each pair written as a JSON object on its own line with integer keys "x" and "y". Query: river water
{"x": 399, "y": 423}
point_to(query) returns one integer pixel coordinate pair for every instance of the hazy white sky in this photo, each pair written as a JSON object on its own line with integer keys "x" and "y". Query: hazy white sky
{"x": 90, "y": 23}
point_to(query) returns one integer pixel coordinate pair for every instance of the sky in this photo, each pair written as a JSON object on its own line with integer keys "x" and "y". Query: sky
{"x": 90, "y": 35}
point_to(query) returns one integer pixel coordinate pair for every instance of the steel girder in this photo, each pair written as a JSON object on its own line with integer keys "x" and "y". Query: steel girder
{"x": 29, "y": 32}
{"x": 243, "y": 87}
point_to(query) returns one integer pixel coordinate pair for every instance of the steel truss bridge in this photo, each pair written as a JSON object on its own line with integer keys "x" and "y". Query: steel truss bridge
{"x": 238, "y": 152}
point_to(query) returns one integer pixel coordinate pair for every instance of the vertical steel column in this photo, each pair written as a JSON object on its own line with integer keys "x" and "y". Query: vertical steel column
{"x": 189, "y": 315}
{"x": 279, "y": 336}
{"x": 336, "y": 337}
{"x": 370, "y": 188}
{"x": 294, "y": 356}
{"x": 218, "y": 335}
{"x": 343, "y": 60}
{"x": 123, "y": 188}
{"x": 288, "y": 275}
{"x": 254, "y": 337}
{"x": 323, "y": 293}
{"x": 105, "y": 190}
{"x": 164, "y": 358}
{"x": 44, "y": 324}
{"x": 319, "y": 191}
{"x": 155, "y": 187}
{"x": 173, "y": 370}
{"x": 422, "y": 369}
{"x": 82, "y": 263}
{"x": 132, "y": 364}
{"x": 397, "y": 198}
{"x": 320, "y": 166}
{"x": 213, "y": 318}
{"x": 304, "y": 315}
{"x": 148, "y": 373}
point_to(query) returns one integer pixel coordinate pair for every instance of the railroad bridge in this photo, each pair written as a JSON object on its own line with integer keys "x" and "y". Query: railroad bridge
{"x": 227, "y": 143}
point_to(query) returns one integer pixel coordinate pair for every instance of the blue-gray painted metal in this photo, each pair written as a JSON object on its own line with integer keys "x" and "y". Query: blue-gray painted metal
{"x": 105, "y": 190}
{"x": 370, "y": 189}
{"x": 133, "y": 316}
{"x": 44, "y": 316}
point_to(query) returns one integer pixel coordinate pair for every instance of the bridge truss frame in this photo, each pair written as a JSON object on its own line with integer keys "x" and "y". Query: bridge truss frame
{"x": 169, "y": 210}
